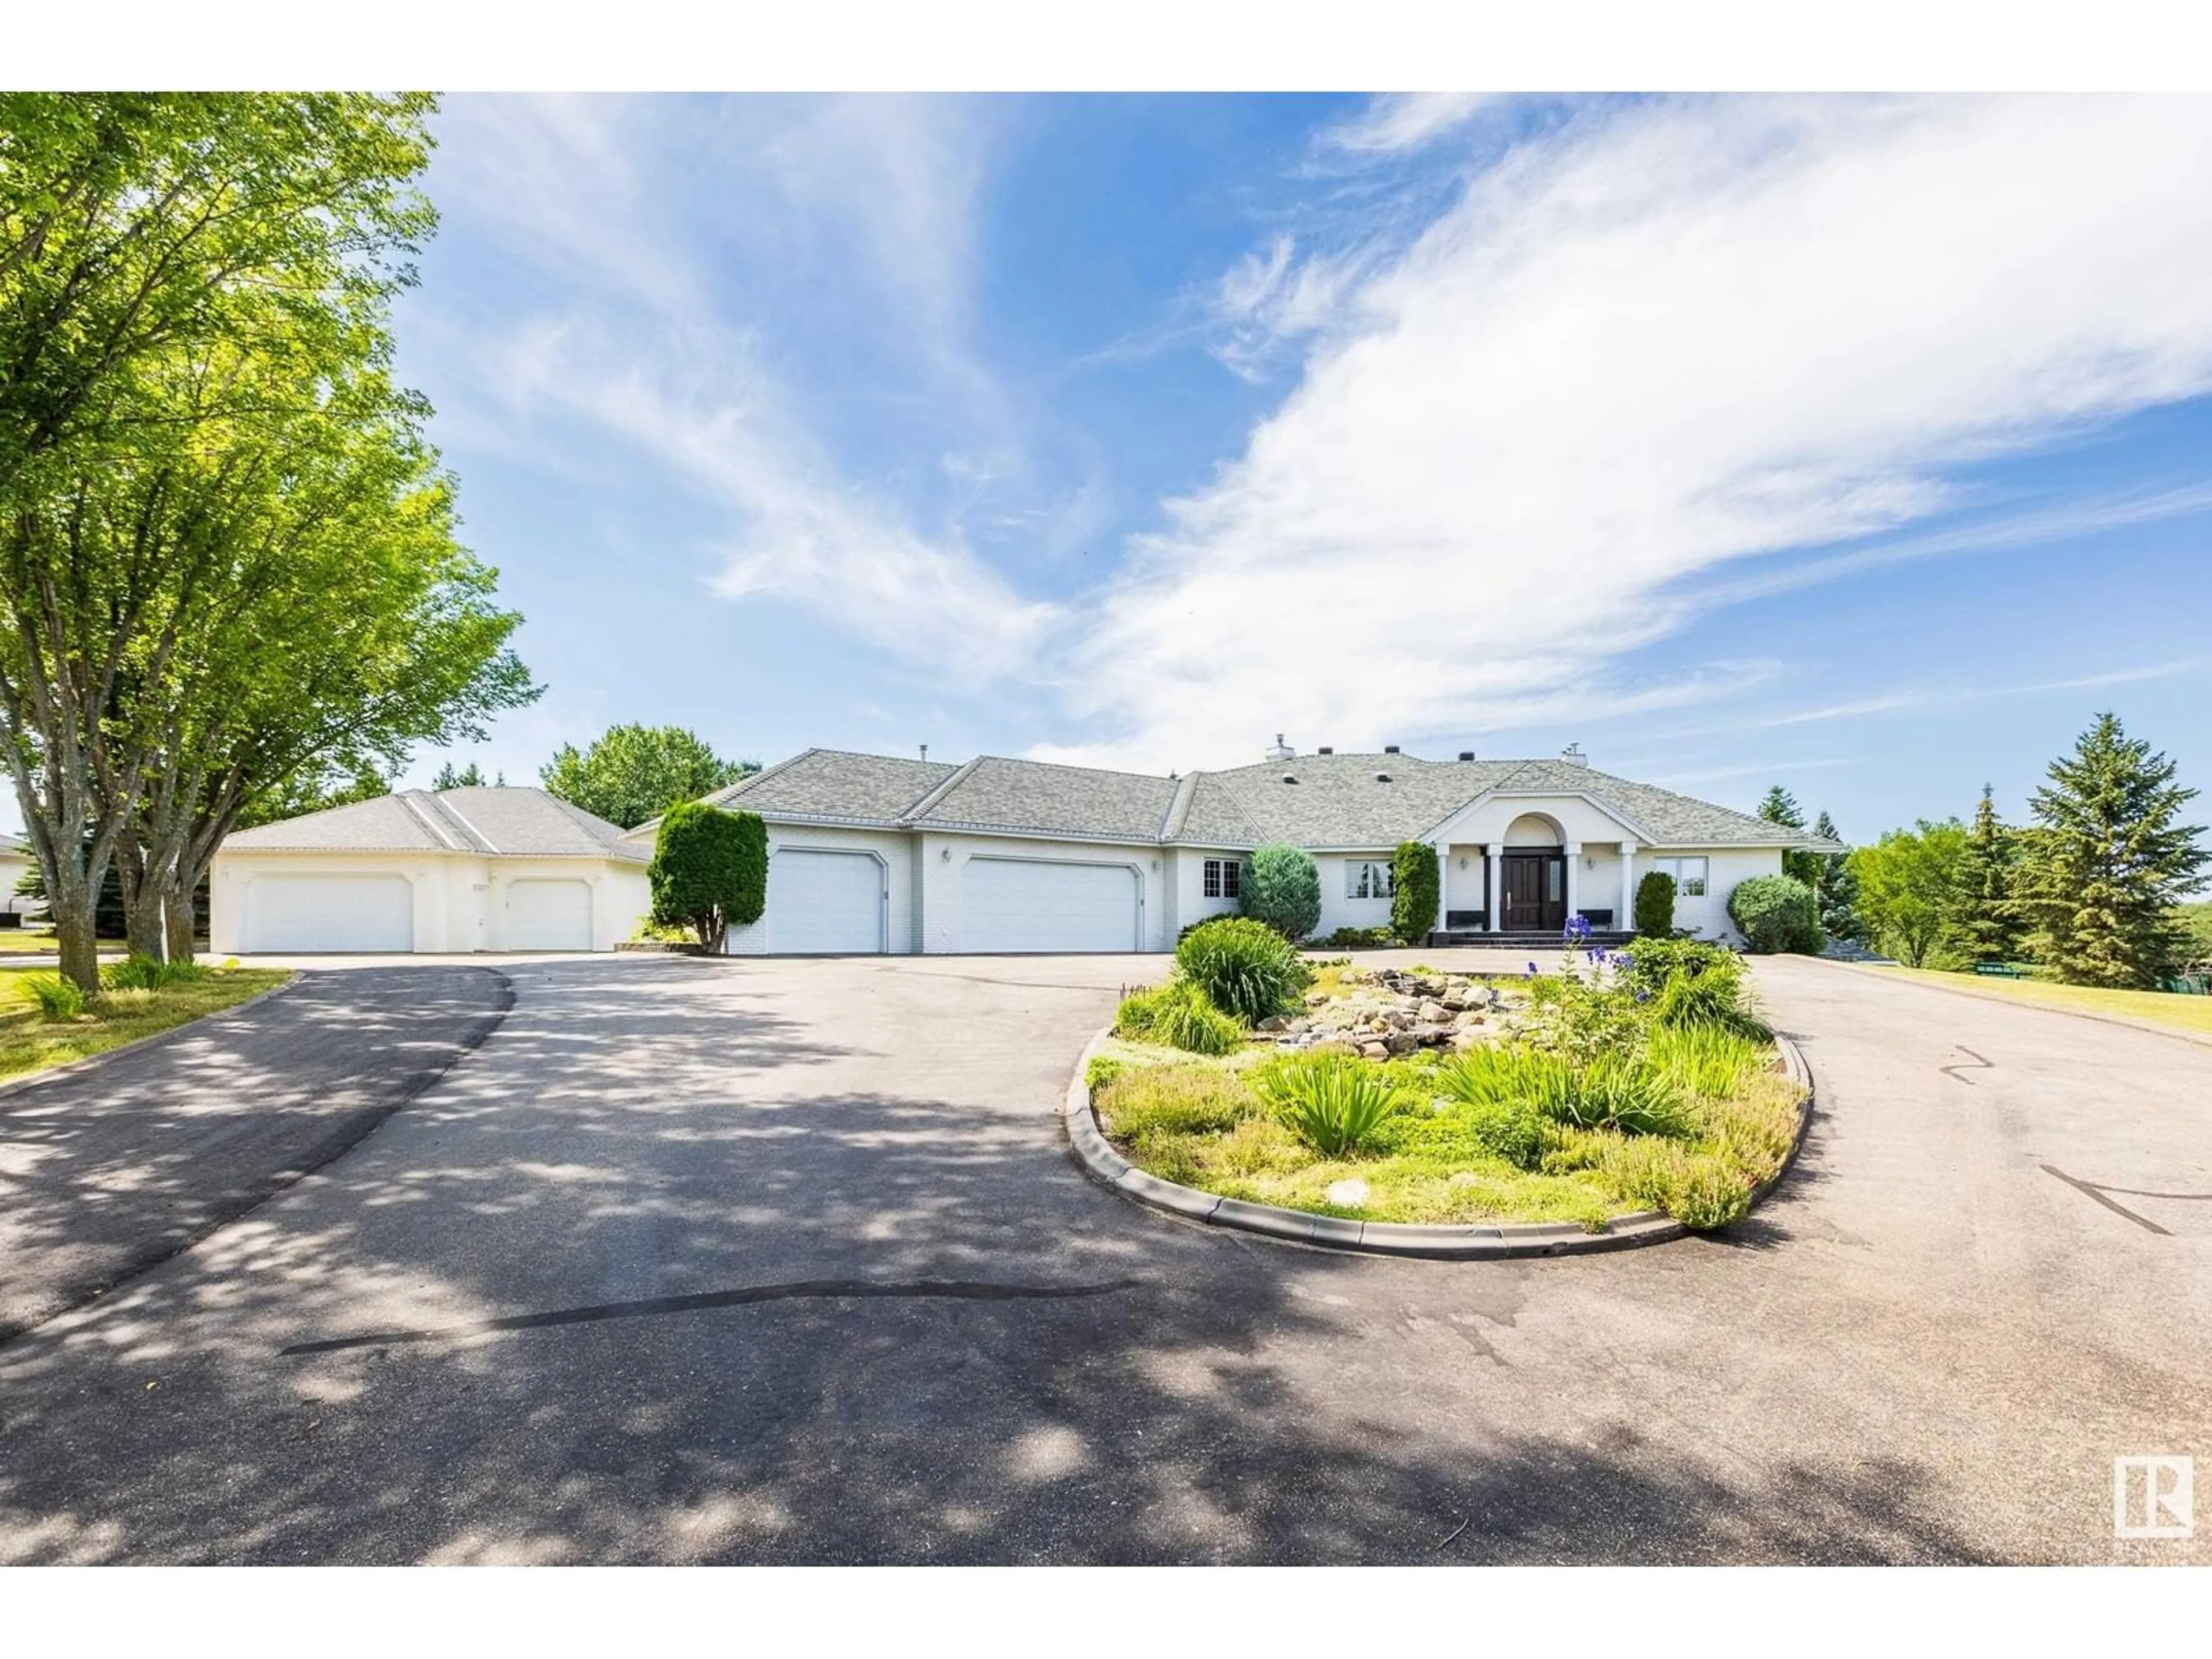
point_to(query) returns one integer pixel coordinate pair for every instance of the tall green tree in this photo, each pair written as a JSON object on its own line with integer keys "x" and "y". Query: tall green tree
{"x": 634, "y": 772}
{"x": 709, "y": 872}
{"x": 1836, "y": 890}
{"x": 1987, "y": 927}
{"x": 1908, "y": 887}
{"x": 1800, "y": 863}
{"x": 2109, "y": 861}
{"x": 152, "y": 248}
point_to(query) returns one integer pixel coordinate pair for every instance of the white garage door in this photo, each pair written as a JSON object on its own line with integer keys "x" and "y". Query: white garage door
{"x": 548, "y": 915}
{"x": 825, "y": 903}
{"x": 292, "y": 914}
{"x": 1020, "y": 904}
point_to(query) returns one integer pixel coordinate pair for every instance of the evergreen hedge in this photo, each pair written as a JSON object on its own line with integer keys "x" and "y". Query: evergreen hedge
{"x": 709, "y": 872}
{"x": 1282, "y": 888}
{"x": 1654, "y": 904}
{"x": 1416, "y": 884}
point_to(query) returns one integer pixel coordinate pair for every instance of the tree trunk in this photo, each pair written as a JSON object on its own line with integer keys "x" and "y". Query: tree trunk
{"x": 69, "y": 900}
{"x": 180, "y": 924}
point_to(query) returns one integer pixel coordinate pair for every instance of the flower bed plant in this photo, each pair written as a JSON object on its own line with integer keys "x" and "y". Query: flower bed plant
{"x": 1612, "y": 1085}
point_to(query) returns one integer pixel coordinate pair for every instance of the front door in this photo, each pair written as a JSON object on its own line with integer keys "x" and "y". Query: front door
{"x": 1535, "y": 896}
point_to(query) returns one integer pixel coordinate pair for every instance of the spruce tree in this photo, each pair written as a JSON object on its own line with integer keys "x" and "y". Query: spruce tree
{"x": 1836, "y": 887}
{"x": 1801, "y": 863}
{"x": 2100, "y": 876}
{"x": 1988, "y": 926}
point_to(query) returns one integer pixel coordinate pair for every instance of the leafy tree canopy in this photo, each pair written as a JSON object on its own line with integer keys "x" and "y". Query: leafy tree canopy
{"x": 1908, "y": 887}
{"x": 634, "y": 772}
{"x": 468, "y": 777}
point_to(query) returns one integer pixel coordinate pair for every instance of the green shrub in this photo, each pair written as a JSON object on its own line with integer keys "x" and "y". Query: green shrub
{"x": 1708, "y": 1001}
{"x": 1178, "y": 1014}
{"x": 1654, "y": 904}
{"x": 1698, "y": 1189}
{"x": 1511, "y": 1131}
{"x": 140, "y": 973}
{"x": 1100, "y": 1072}
{"x": 1609, "y": 1092}
{"x": 1653, "y": 961}
{"x": 1282, "y": 888}
{"x": 58, "y": 998}
{"x": 1244, "y": 968}
{"x": 709, "y": 871}
{"x": 1415, "y": 887}
{"x": 1707, "y": 1060}
{"x": 1333, "y": 1102}
{"x": 1776, "y": 913}
{"x": 1345, "y": 939}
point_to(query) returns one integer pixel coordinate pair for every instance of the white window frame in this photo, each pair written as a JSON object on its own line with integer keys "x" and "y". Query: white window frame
{"x": 1370, "y": 878}
{"x": 1223, "y": 878}
{"x": 1687, "y": 885}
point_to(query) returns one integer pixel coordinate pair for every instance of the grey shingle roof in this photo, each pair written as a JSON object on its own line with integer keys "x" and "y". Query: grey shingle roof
{"x": 832, "y": 783}
{"x": 492, "y": 822}
{"x": 996, "y": 793}
{"x": 1337, "y": 800}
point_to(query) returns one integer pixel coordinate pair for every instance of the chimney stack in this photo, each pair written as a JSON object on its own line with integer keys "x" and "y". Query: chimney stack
{"x": 1573, "y": 756}
{"x": 1281, "y": 752}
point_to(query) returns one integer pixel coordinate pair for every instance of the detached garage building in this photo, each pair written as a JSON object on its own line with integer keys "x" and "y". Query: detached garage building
{"x": 459, "y": 870}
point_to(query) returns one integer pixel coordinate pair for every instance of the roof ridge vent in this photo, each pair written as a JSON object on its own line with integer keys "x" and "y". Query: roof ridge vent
{"x": 1390, "y": 748}
{"x": 1382, "y": 777}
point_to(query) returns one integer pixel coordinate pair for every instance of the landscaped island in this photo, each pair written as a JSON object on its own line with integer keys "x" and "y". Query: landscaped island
{"x": 1623, "y": 1082}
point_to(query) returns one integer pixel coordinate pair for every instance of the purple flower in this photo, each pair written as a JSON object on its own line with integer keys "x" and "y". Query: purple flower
{"x": 1532, "y": 970}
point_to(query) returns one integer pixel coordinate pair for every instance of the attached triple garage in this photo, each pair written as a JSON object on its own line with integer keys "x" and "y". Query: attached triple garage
{"x": 858, "y": 892}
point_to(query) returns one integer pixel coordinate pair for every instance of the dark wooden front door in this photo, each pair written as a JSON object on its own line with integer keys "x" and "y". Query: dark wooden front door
{"x": 1535, "y": 895}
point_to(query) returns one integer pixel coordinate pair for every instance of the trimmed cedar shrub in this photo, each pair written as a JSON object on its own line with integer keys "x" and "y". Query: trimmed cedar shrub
{"x": 1244, "y": 968}
{"x": 709, "y": 871}
{"x": 1776, "y": 913}
{"x": 1282, "y": 888}
{"x": 1654, "y": 904}
{"x": 1416, "y": 886}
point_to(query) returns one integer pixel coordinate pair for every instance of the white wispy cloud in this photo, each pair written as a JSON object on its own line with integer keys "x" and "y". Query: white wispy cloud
{"x": 634, "y": 329}
{"x": 1923, "y": 698}
{"x": 1652, "y": 342}
{"x": 1402, "y": 121}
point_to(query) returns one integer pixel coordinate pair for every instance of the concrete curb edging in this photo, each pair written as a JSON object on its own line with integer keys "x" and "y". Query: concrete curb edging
{"x": 1432, "y": 1240}
{"x": 18, "y": 1085}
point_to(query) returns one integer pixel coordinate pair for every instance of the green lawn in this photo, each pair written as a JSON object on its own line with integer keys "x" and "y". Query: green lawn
{"x": 29, "y": 1044}
{"x": 27, "y": 942}
{"x": 2184, "y": 1013}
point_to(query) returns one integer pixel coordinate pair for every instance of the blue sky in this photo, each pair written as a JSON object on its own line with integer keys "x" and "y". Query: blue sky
{"x": 1861, "y": 444}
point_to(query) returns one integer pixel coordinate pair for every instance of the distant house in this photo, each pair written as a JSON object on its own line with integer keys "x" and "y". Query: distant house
{"x": 16, "y": 861}
{"x": 873, "y": 852}
{"x": 456, "y": 870}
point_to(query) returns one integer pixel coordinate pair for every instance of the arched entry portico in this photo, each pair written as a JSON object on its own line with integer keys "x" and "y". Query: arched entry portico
{"x": 1532, "y": 875}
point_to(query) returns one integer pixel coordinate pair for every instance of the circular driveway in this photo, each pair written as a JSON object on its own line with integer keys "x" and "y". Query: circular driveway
{"x": 784, "y": 1260}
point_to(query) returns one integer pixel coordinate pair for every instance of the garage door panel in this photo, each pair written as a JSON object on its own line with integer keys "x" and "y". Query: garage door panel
{"x": 548, "y": 915}
{"x": 305, "y": 914}
{"x": 1033, "y": 904}
{"x": 825, "y": 903}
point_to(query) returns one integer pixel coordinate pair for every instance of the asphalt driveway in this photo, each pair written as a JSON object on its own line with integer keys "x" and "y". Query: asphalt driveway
{"x": 784, "y": 1261}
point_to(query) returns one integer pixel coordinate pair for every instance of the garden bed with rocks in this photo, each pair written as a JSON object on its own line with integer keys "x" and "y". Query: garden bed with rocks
{"x": 1620, "y": 1084}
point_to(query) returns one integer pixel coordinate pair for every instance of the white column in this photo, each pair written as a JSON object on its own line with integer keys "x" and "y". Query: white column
{"x": 1574, "y": 876}
{"x": 1490, "y": 863}
{"x": 1626, "y": 919}
{"x": 1444, "y": 882}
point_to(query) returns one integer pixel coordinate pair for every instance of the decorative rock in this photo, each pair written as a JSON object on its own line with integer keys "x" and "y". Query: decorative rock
{"x": 1348, "y": 1194}
{"x": 1374, "y": 1051}
{"x": 1431, "y": 1012}
{"x": 1272, "y": 1023}
{"x": 1401, "y": 1042}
